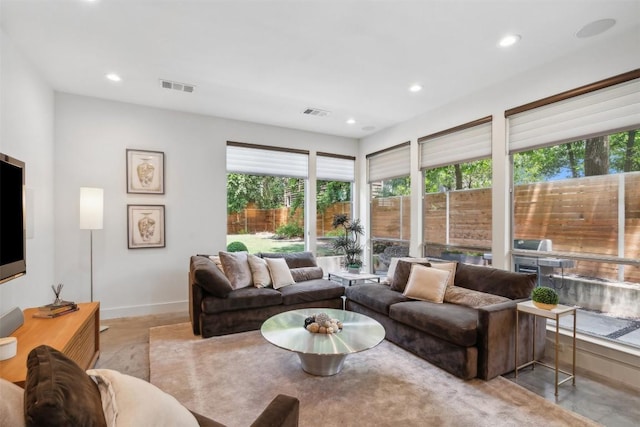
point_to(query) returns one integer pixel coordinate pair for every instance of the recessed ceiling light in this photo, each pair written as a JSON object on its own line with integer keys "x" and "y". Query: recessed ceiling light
{"x": 351, "y": 121}
{"x": 509, "y": 40}
{"x": 415, "y": 88}
{"x": 594, "y": 28}
{"x": 113, "y": 77}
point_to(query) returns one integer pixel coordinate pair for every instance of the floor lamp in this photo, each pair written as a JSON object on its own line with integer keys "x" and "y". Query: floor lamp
{"x": 91, "y": 214}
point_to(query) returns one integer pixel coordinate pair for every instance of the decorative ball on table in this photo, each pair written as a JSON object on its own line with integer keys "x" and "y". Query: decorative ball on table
{"x": 321, "y": 323}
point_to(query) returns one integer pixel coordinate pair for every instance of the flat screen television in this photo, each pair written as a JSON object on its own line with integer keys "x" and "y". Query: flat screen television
{"x": 12, "y": 219}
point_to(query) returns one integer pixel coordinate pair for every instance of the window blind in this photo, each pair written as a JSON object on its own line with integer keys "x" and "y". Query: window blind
{"x": 335, "y": 168}
{"x": 468, "y": 143}
{"x": 252, "y": 160}
{"x": 394, "y": 162}
{"x": 606, "y": 110}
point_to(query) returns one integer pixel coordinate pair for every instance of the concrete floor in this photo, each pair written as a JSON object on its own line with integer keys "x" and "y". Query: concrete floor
{"x": 125, "y": 347}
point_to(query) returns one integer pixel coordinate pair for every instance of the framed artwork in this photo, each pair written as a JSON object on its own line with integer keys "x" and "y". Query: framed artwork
{"x": 145, "y": 226}
{"x": 145, "y": 172}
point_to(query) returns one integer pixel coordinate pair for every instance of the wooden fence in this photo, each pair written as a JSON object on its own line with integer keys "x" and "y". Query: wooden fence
{"x": 253, "y": 220}
{"x": 579, "y": 215}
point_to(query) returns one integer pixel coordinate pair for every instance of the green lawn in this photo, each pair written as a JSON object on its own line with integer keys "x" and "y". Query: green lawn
{"x": 265, "y": 243}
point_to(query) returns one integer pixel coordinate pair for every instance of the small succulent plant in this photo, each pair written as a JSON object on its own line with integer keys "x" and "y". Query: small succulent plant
{"x": 544, "y": 295}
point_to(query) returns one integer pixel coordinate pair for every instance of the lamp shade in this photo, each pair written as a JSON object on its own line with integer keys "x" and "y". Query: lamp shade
{"x": 91, "y": 208}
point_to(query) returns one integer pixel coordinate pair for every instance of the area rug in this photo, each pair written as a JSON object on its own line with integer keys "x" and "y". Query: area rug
{"x": 234, "y": 377}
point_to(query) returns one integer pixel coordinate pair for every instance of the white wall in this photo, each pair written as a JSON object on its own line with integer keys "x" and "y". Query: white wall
{"x": 26, "y": 133}
{"x": 91, "y": 138}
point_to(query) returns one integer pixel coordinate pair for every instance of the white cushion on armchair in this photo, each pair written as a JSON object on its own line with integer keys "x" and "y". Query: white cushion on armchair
{"x": 129, "y": 401}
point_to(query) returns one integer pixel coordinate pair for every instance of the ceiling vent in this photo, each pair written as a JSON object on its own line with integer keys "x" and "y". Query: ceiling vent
{"x": 182, "y": 87}
{"x": 316, "y": 112}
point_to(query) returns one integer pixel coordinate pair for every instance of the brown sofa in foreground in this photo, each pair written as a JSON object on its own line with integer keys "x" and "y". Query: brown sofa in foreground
{"x": 59, "y": 393}
{"x": 472, "y": 340}
{"x": 217, "y": 309}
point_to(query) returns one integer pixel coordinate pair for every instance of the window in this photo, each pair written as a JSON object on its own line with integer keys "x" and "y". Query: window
{"x": 266, "y": 209}
{"x": 334, "y": 188}
{"x": 576, "y": 172}
{"x": 457, "y": 192}
{"x": 390, "y": 205}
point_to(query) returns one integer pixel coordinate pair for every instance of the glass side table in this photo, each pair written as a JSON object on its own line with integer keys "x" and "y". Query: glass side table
{"x": 555, "y": 314}
{"x": 349, "y": 279}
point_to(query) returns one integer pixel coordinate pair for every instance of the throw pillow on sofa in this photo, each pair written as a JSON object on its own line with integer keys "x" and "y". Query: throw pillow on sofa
{"x": 236, "y": 268}
{"x": 448, "y": 266}
{"x": 58, "y": 392}
{"x": 130, "y": 401}
{"x": 259, "y": 272}
{"x": 470, "y": 298}
{"x": 303, "y": 274}
{"x": 280, "y": 273}
{"x": 401, "y": 274}
{"x": 209, "y": 277}
{"x": 11, "y": 404}
{"x": 427, "y": 284}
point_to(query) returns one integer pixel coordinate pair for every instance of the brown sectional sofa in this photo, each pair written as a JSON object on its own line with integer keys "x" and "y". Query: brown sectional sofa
{"x": 465, "y": 341}
{"x": 247, "y": 308}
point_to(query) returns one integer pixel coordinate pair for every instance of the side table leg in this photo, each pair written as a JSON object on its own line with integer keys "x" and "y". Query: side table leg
{"x": 556, "y": 349}
{"x": 573, "y": 370}
{"x": 516, "y": 355}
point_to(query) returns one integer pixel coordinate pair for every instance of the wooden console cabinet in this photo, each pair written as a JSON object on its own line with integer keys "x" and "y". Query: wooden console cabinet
{"x": 75, "y": 334}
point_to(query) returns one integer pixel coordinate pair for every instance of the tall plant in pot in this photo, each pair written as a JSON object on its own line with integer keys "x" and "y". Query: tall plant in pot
{"x": 348, "y": 243}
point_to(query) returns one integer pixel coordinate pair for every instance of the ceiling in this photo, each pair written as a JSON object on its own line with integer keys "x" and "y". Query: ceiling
{"x": 267, "y": 61}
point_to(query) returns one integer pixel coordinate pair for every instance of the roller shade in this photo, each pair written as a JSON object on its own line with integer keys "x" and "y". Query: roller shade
{"x": 264, "y": 161}
{"x": 464, "y": 145}
{"x": 331, "y": 168}
{"x": 603, "y": 111}
{"x": 392, "y": 163}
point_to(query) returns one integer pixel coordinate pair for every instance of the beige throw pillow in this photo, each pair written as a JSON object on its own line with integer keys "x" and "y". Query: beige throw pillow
{"x": 236, "y": 268}
{"x": 447, "y": 266}
{"x": 280, "y": 273}
{"x": 216, "y": 261}
{"x": 259, "y": 272}
{"x": 130, "y": 401}
{"x": 426, "y": 284}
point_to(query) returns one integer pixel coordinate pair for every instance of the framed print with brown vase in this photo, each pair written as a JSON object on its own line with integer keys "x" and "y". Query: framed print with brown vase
{"x": 145, "y": 172}
{"x": 145, "y": 226}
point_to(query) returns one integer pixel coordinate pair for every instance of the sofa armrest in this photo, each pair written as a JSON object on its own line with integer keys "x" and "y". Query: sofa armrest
{"x": 196, "y": 294}
{"x": 496, "y": 338}
{"x": 496, "y": 334}
{"x": 283, "y": 411}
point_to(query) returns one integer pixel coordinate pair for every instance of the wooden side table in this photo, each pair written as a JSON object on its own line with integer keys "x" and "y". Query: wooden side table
{"x": 76, "y": 334}
{"x": 555, "y": 314}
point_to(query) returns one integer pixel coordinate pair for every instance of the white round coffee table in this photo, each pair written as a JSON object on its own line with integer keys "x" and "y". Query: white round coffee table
{"x": 322, "y": 354}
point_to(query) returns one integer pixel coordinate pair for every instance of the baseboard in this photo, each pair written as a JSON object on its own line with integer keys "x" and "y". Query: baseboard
{"x": 598, "y": 358}
{"x": 144, "y": 310}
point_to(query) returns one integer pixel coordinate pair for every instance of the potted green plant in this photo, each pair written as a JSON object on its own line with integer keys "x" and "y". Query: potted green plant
{"x": 544, "y": 297}
{"x": 348, "y": 243}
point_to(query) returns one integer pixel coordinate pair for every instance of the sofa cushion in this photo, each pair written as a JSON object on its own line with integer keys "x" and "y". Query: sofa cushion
{"x": 375, "y": 296}
{"x": 311, "y": 290}
{"x": 241, "y": 299}
{"x": 401, "y": 274}
{"x": 135, "y": 402}
{"x": 306, "y": 273}
{"x": 11, "y": 404}
{"x": 471, "y": 298}
{"x": 58, "y": 392}
{"x": 209, "y": 277}
{"x": 494, "y": 281}
{"x": 453, "y": 323}
{"x": 427, "y": 283}
{"x": 236, "y": 268}
{"x": 294, "y": 259}
{"x": 259, "y": 271}
{"x": 280, "y": 273}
